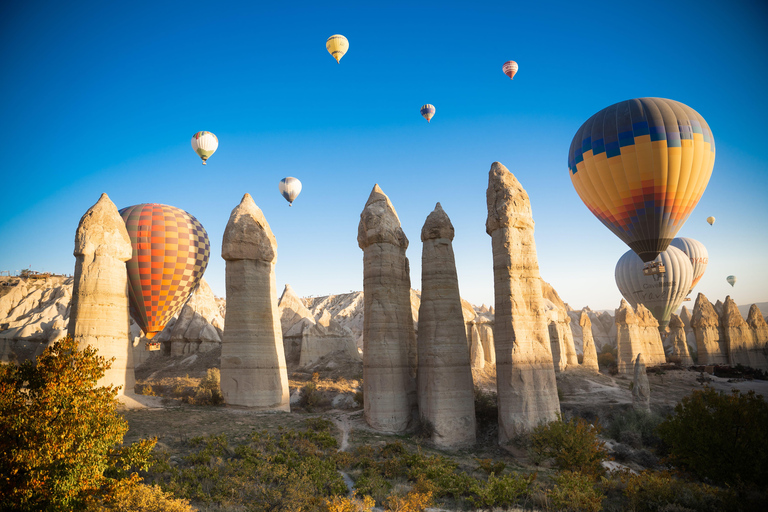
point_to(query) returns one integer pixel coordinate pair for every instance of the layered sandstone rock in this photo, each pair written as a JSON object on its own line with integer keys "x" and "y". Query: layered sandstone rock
{"x": 676, "y": 339}
{"x": 690, "y": 336}
{"x": 99, "y": 313}
{"x": 603, "y": 329}
{"x": 710, "y": 341}
{"x": 739, "y": 337}
{"x": 589, "y": 353}
{"x": 482, "y": 332}
{"x": 637, "y": 332}
{"x": 199, "y": 326}
{"x": 561, "y": 338}
{"x": 295, "y": 318}
{"x": 641, "y": 389}
{"x": 759, "y": 327}
{"x": 389, "y": 348}
{"x": 527, "y": 391}
{"x": 445, "y": 390}
{"x": 253, "y": 370}
{"x": 327, "y": 337}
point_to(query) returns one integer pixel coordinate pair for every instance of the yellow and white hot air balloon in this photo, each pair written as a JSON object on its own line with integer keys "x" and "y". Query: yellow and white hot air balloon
{"x": 711, "y": 220}
{"x": 204, "y": 144}
{"x": 337, "y": 46}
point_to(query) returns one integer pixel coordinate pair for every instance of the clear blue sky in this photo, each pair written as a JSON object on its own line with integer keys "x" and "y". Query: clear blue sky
{"x": 105, "y": 96}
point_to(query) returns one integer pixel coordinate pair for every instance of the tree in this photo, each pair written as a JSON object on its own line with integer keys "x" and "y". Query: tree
{"x": 61, "y": 435}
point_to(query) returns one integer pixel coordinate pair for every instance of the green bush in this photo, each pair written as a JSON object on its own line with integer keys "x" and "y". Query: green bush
{"x": 719, "y": 436}
{"x": 575, "y": 492}
{"x": 572, "y": 445}
{"x": 374, "y": 485}
{"x": 631, "y": 424}
{"x": 209, "y": 390}
{"x": 491, "y": 466}
{"x": 310, "y": 397}
{"x": 502, "y": 491}
{"x": 60, "y": 433}
{"x": 652, "y": 491}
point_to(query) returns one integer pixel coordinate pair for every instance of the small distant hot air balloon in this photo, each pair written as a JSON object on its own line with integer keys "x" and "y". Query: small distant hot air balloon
{"x": 510, "y": 68}
{"x": 711, "y": 220}
{"x": 641, "y": 166}
{"x": 204, "y": 144}
{"x": 170, "y": 254}
{"x": 427, "y": 111}
{"x": 663, "y": 293}
{"x": 731, "y": 280}
{"x": 698, "y": 255}
{"x": 337, "y": 46}
{"x": 290, "y": 188}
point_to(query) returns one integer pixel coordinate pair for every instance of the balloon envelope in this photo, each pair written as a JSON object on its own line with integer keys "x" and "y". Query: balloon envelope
{"x": 641, "y": 167}
{"x": 170, "y": 254}
{"x": 663, "y": 293}
{"x": 290, "y": 188}
{"x": 711, "y": 220}
{"x": 337, "y": 45}
{"x": 427, "y": 111}
{"x": 510, "y": 68}
{"x": 698, "y": 255}
{"x": 731, "y": 280}
{"x": 204, "y": 144}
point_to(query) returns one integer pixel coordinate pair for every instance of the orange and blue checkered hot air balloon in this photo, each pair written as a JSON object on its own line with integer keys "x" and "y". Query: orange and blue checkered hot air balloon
{"x": 641, "y": 167}
{"x": 170, "y": 254}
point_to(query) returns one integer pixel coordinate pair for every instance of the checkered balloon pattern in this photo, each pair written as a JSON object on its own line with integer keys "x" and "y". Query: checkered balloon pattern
{"x": 170, "y": 254}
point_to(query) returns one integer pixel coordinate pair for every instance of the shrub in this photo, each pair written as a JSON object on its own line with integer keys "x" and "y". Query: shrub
{"x": 351, "y": 504}
{"x": 144, "y": 389}
{"x": 719, "y": 436}
{"x": 209, "y": 390}
{"x": 502, "y": 491}
{"x": 652, "y": 491}
{"x": 573, "y": 445}
{"x": 310, "y": 396}
{"x": 491, "y": 466}
{"x": 635, "y": 428}
{"x": 575, "y": 492}
{"x": 411, "y": 502}
{"x": 373, "y": 484}
{"x": 486, "y": 409}
{"x": 141, "y": 498}
{"x": 61, "y": 433}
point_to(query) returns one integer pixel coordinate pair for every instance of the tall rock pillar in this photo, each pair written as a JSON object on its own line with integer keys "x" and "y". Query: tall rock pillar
{"x": 641, "y": 388}
{"x": 676, "y": 339}
{"x": 445, "y": 389}
{"x": 389, "y": 346}
{"x": 739, "y": 337}
{"x": 253, "y": 371}
{"x": 99, "y": 314}
{"x": 710, "y": 342}
{"x": 588, "y": 346}
{"x": 759, "y": 328}
{"x": 525, "y": 376}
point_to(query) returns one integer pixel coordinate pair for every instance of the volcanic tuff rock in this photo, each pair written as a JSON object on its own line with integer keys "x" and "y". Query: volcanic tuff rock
{"x": 676, "y": 339}
{"x": 759, "y": 327}
{"x": 389, "y": 341}
{"x": 739, "y": 337}
{"x": 253, "y": 371}
{"x": 561, "y": 337}
{"x": 99, "y": 311}
{"x": 603, "y": 329}
{"x": 637, "y": 333}
{"x": 710, "y": 341}
{"x": 590, "y": 354}
{"x": 527, "y": 390}
{"x": 445, "y": 389}
{"x": 641, "y": 389}
{"x": 326, "y": 337}
{"x": 690, "y": 337}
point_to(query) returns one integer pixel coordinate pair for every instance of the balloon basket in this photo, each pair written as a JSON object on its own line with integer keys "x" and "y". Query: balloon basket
{"x": 152, "y": 346}
{"x": 653, "y": 268}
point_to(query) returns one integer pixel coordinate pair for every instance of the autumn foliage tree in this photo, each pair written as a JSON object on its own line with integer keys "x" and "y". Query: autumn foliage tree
{"x": 60, "y": 435}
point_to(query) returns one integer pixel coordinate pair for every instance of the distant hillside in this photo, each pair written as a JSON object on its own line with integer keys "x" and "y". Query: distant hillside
{"x": 744, "y": 309}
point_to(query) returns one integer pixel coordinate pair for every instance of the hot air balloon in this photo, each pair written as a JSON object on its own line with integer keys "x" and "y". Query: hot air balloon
{"x": 337, "y": 46}
{"x": 170, "y": 254}
{"x": 427, "y": 111}
{"x": 731, "y": 280}
{"x": 698, "y": 255}
{"x": 510, "y": 68}
{"x": 663, "y": 293}
{"x": 204, "y": 144}
{"x": 641, "y": 167}
{"x": 290, "y": 188}
{"x": 711, "y": 220}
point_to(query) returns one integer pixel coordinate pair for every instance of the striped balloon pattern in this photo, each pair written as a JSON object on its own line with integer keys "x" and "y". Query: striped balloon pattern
{"x": 427, "y": 111}
{"x": 641, "y": 166}
{"x": 510, "y": 69}
{"x": 204, "y": 144}
{"x": 698, "y": 255}
{"x": 337, "y": 45}
{"x": 170, "y": 254}
{"x": 663, "y": 293}
{"x": 290, "y": 188}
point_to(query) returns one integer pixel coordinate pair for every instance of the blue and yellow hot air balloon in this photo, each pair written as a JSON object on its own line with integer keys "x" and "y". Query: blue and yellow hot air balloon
{"x": 170, "y": 254}
{"x": 641, "y": 167}
{"x": 427, "y": 111}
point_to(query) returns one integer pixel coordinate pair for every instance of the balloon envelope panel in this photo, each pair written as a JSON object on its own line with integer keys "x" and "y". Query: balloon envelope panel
{"x": 427, "y": 111}
{"x": 698, "y": 255}
{"x": 205, "y": 144}
{"x": 641, "y": 166}
{"x": 170, "y": 255}
{"x": 337, "y": 45}
{"x": 663, "y": 293}
{"x": 290, "y": 188}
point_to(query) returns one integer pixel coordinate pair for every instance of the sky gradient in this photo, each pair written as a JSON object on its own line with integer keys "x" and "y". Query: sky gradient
{"x": 104, "y": 97}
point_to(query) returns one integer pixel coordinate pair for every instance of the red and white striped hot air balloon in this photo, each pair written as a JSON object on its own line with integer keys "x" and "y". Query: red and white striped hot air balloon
{"x": 510, "y": 68}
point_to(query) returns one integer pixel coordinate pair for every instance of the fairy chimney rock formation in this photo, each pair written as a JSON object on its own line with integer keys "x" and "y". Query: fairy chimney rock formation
{"x": 590, "y": 354}
{"x": 99, "y": 312}
{"x": 653, "y": 352}
{"x": 253, "y": 370}
{"x": 710, "y": 342}
{"x": 641, "y": 389}
{"x": 389, "y": 348}
{"x": 759, "y": 327}
{"x": 677, "y": 340}
{"x": 527, "y": 391}
{"x": 445, "y": 389}
{"x": 739, "y": 337}
{"x": 637, "y": 332}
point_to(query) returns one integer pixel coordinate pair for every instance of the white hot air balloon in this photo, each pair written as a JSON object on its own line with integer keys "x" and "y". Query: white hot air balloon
{"x": 290, "y": 188}
{"x": 204, "y": 144}
{"x": 661, "y": 293}
{"x": 698, "y": 255}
